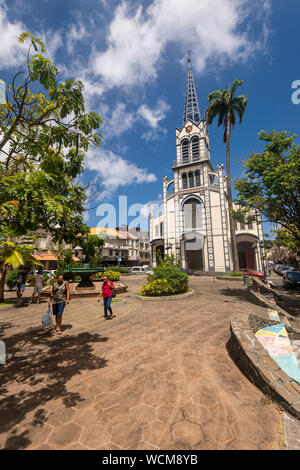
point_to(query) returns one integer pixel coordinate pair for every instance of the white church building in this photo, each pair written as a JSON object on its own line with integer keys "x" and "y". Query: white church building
{"x": 194, "y": 224}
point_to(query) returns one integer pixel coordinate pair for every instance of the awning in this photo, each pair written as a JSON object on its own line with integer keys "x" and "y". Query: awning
{"x": 51, "y": 257}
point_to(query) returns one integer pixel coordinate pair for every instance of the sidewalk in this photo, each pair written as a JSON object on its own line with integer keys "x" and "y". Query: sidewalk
{"x": 156, "y": 377}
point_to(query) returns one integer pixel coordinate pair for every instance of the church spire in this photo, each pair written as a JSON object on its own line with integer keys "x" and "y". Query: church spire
{"x": 191, "y": 106}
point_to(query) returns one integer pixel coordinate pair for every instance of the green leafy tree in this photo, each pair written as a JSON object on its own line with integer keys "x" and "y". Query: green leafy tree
{"x": 45, "y": 133}
{"x": 65, "y": 260}
{"x": 91, "y": 245}
{"x": 271, "y": 185}
{"x": 224, "y": 105}
{"x": 14, "y": 254}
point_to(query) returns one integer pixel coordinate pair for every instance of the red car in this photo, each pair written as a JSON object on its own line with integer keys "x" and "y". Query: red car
{"x": 251, "y": 272}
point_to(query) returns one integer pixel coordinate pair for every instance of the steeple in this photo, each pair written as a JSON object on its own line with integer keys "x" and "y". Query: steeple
{"x": 191, "y": 106}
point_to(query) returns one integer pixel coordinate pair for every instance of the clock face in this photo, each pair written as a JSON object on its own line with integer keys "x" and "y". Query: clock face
{"x": 189, "y": 128}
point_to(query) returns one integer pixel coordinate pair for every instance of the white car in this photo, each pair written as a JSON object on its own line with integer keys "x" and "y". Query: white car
{"x": 140, "y": 270}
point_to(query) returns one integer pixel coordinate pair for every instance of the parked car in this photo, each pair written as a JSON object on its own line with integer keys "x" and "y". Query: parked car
{"x": 140, "y": 270}
{"x": 277, "y": 267}
{"x": 252, "y": 272}
{"x": 291, "y": 280}
{"x": 50, "y": 273}
{"x": 285, "y": 268}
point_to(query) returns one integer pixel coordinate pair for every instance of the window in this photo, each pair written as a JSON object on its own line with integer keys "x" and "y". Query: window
{"x": 211, "y": 180}
{"x": 250, "y": 225}
{"x": 197, "y": 178}
{"x": 185, "y": 151}
{"x": 192, "y": 214}
{"x": 184, "y": 181}
{"x": 191, "y": 180}
{"x": 242, "y": 226}
{"x": 161, "y": 229}
{"x": 195, "y": 149}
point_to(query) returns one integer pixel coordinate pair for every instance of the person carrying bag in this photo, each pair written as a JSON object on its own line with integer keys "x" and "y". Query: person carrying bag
{"x": 107, "y": 292}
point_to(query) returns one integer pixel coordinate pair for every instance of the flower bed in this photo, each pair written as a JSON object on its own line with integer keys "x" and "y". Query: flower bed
{"x": 166, "y": 280}
{"x": 112, "y": 275}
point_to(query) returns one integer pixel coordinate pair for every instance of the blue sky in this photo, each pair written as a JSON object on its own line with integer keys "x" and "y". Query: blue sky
{"x": 131, "y": 56}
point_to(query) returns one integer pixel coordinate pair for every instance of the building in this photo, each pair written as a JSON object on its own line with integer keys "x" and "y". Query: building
{"x": 143, "y": 245}
{"x": 194, "y": 225}
{"x": 120, "y": 248}
{"x": 124, "y": 246}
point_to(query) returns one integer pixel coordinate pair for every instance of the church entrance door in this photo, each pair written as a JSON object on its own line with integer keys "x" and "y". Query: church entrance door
{"x": 194, "y": 260}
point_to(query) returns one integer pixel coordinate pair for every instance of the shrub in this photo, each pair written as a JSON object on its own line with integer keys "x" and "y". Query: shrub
{"x": 119, "y": 269}
{"x": 157, "y": 288}
{"x": 167, "y": 279}
{"x": 177, "y": 280}
{"x": 112, "y": 275}
{"x": 11, "y": 278}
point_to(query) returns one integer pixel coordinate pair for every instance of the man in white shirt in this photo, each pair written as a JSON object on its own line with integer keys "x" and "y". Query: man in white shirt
{"x": 38, "y": 285}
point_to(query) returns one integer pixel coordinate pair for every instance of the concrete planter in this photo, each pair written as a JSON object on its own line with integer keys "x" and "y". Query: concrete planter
{"x": 163, "y": 297}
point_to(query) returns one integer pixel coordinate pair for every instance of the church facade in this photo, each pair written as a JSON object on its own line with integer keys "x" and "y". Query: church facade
{"x": 194, "y": 224}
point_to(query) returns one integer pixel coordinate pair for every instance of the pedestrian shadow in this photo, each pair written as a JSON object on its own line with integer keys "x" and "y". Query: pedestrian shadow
{"x": 38, "y": 370}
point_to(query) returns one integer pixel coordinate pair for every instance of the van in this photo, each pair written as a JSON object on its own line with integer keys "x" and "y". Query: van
{"x": 140, "y": 270}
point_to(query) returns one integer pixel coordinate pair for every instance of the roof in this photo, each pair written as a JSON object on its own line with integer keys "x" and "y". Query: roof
{"x": 112, "y": 232}
{"x": 50, "y": 257}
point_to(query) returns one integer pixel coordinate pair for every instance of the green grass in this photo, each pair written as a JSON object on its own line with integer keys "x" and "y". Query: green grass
{"x": 117, "y": 300}
{"x": 228, "y": 276}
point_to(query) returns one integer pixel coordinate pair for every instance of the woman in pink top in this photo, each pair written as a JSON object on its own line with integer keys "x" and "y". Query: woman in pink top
{"x": 106, "y": 293}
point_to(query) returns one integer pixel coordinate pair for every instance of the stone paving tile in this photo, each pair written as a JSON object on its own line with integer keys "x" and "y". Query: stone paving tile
{"x": 95, "y": 434}
{"x": 161, "y": 379}
{"x": 65, "y": 434}
{"x": 158, "y": 434}
{"x": 218, "y": 432}
{"x": 126, "y": 434}
{"x": 188, "y": 433}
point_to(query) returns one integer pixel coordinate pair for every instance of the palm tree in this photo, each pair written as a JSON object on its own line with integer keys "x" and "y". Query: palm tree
{"x": 224, "y": 105}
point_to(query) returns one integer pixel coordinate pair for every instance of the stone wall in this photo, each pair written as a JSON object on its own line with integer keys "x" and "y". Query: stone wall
{"x": 255, "y": 362}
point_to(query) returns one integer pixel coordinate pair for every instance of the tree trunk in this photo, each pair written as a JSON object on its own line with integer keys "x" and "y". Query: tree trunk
{"x": 233, "y": 244}
{"x": 3, "y": 271}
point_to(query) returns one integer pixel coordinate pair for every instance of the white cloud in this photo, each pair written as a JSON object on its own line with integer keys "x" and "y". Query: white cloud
{"x": 115, "y": 171}
{"x": 153, "y": 116}
{"x": 212, "y": 29}
{"x": 12, "y": 52}
{"x": 153, "y": 207}
{"x": 117, "y": 121}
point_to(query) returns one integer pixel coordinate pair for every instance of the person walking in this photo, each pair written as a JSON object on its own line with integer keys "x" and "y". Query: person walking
{"x": 38, "y": 285}
{"x": 106, "y": 293}
{"x": 60, "y": 297}
{"x": 20, "y": 284}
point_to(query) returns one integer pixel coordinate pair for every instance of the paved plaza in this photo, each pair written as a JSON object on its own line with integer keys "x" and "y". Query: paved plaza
{"x": 156, "y": 376}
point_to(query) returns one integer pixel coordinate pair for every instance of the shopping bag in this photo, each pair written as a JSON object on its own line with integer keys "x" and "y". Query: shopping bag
{"x": 47, "y": 318}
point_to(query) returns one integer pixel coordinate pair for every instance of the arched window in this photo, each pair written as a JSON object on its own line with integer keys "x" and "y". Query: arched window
{"x": 195, "y": 149}
{"x": 192, "y": 210}
{"x": 185, "y": 151}
{"x": 184, "y": 181}
{"x": 191, "y": 180}
{"x": 197, "y": 178}
{"x": 211, "y": 180}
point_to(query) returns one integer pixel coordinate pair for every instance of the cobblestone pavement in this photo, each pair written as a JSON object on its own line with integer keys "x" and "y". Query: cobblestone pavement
{"x": 157, "y": 376}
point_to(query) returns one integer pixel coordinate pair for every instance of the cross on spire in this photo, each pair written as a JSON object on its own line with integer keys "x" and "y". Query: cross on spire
{"x": 191, "y": 106}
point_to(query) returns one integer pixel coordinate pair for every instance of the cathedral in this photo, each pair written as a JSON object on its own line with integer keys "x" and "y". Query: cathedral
{"x": 194, "y": 224}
